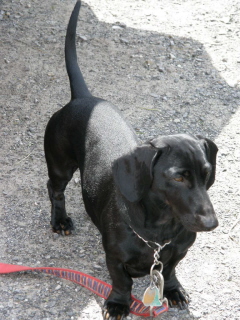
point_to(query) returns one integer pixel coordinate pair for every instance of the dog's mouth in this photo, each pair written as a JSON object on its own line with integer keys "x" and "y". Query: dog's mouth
{"x": 198, "y": 228}
{"x": 199, "y": 223}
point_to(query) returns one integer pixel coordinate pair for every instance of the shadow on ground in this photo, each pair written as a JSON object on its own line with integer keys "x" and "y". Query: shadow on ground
{"x": 163, "y": 84}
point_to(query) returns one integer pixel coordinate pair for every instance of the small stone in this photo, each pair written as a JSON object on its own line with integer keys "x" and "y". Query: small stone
{"x": 226, "y": 20}
{"x": 154, "y": 95}
{"x": 123, "y": 40}
{"x": 171, "y": 56}
{"x": 58, "y": 287}
{"x": 97, "y": 267}
{"x": 227, "y": 291}
{"x": 76, "y": 180}
{"x": 55, "y": 235}
{"x": 156, "y": 78}
{"x": 117, "y": 27}
{"x": 176, "y": 120}
{"x": 82, "y": 38}
{"x": 196, "y": 314}
{"x": 51, "y": 304}
{"x": 119, "y": 24}
{"x": 160, "y": 68}
{"x": 147, "y": 64}
{"x": 231, "y": 83}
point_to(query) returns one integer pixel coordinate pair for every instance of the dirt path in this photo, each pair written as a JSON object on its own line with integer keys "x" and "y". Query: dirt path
{"x": 171, "y": 66}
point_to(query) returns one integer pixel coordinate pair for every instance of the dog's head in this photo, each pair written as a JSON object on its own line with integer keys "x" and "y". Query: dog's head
{"x": 178, "y": 170}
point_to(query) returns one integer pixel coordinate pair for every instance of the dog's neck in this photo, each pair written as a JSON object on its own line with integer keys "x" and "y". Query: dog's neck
{"x": 157, "y": 212}
{"x": 152, "y": 220}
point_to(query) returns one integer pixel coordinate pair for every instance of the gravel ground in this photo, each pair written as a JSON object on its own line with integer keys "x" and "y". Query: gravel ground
{"x": 171, "y": 66}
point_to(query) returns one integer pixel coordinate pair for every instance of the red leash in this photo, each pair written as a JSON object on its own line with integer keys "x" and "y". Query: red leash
{"x": 95, "y": 285}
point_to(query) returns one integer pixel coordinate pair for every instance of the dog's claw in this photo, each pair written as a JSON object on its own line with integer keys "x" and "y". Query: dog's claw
{"x": 105, "y": 315}
{"x": 56, "y": 231}
{"x": 65, "y": 227}
{"x": 115, "y": 311}
{"x": 178, "y": 297}
{"x": 185, "y": 305}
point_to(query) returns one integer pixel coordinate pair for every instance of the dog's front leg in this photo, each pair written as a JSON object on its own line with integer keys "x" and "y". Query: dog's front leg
{"x": 173, "y": 289}
{"x": 170, "y": 257}
{"x": 117, "y": 305}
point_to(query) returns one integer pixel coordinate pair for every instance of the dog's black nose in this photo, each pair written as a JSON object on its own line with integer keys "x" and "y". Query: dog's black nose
{"x": 209, "y": 222}
{"x": 212, "y": 224}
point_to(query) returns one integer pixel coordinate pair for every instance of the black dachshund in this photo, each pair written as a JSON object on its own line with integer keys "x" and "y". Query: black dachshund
{"x": 155, "y": 192}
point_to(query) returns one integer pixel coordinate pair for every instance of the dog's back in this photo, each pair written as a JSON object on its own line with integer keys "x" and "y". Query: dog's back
{"x": 102, "y": 133}
{"x": 88, "y": 133}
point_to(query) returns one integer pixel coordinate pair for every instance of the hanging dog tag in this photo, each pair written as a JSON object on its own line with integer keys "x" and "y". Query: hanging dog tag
{"x": 157, "y": 279}
{"x": 151, "y": 297}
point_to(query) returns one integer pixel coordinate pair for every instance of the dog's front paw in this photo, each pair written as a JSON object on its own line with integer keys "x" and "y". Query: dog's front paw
{"x": 177, "y": 297}
{"x": 65, "y": 226}
{"x": 115, "y": 311}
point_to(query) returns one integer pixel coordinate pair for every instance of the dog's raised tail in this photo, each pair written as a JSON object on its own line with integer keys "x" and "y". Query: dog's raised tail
{"x": 78, "y": 86}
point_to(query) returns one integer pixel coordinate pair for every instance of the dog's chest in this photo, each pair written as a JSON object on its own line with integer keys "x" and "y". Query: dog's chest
{"x": 139, "y": 264}
{"x": 141, "y": 256}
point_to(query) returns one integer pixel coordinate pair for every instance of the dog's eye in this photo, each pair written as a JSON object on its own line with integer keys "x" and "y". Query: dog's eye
{"x": 187, "y": 174}
{"x": 179, "y": 179}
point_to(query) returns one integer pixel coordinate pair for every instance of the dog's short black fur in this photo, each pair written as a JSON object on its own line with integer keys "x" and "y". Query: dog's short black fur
{"x": 157, "y": 190}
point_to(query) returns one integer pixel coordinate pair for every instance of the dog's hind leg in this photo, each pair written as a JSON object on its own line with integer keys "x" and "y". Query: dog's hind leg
{"x": 58, "y": 180}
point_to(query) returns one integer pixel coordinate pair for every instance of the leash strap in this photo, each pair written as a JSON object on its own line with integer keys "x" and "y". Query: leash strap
{"x": 99, "y": 287}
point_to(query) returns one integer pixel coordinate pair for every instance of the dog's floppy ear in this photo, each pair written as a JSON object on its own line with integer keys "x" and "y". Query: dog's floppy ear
{"x": 211, "y": 150}
{"x": 133, "y": 172}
